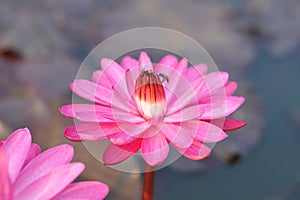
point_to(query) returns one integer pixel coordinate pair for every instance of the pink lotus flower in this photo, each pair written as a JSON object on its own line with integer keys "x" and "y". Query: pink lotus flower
{"x": 146, "y": 107}
{"x": 26, "y": 173}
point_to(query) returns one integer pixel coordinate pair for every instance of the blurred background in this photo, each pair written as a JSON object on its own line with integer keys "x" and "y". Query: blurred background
{"x": 42, "y": 44}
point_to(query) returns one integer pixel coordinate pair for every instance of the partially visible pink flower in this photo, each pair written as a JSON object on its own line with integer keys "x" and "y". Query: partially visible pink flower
{"x": 26, "y": 173}
{"x": 141, "y": 106}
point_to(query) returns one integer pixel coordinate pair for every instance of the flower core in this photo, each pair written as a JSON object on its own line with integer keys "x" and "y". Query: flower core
{"x": 150, "y": 95}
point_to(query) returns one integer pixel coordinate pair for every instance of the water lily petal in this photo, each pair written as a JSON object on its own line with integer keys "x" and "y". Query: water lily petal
{"x": 197, "y": 151}
{"x": 100, "y": 78}
{"x": 175, "y": 76}
{"x": 129, "y": 63}
{"x": 122, "y": 138}
{"x": 115, "y": 154}
{"x": 43, "y": 164}
{"x": 167, "y": 61}
{"x": 228, "y": 124}
{"x": 220, "y": 94}
{"x": 233, "y": 124}
{"x": 185, "y": 114}
{"x": 123, "y": 95}
{"x": 113, "y": 71}
{"x": 130, "y": 83}
{"x": 92, "y": 91}
{"x": 222, "y": 108}
{"x": 212, "y": 82}
{"x": 168, "y": 64}
{"x": 86, "y": 112}
{"x": 181, "y": 67}
{"x": 16, "y": 149}
{"x": 91, "y": 131}
{"x": 194, "y": 130}
{"x": 107, "y": 115}
{"x": 230, "y": 88}
{"x": 177, "y": 135}
{"x": 184, "y": 96}
{"x": 195, "y": 72}
{"x": 134, "y": 129}
{"x": 99, "y": 113}
{"x": 33, "y": 152}
{"x": 84, "y": 191}
{"x": 145, "y": 61}
{"x": 155, "y": 149}
{"x": 170, "y": 67}
{"x": 51, "y": 184}
{"x": 127, "y": 122}
{"x": 5, "y": 184}
{"x": 206, "y": 132}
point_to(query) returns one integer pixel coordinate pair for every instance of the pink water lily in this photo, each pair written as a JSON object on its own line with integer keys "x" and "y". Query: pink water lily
{"x": 141, "y": 106}
{"x": 26, "y": 173}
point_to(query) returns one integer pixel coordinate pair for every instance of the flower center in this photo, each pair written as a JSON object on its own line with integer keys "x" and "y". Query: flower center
{"x": 150, "y": 95}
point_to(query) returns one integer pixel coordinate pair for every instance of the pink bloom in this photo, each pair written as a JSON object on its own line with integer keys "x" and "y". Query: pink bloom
{"x": 143, "y": 106}
{"x": 26, "y": 173}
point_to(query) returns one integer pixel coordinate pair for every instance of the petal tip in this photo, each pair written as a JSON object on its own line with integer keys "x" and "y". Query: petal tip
{"x": 223, "y": 136}
{"x": 143, "y": 54}
{"x": 78, "y": 167}
{"x": 26, "y": 130}
{"x": 22, "y": 132}
{"x": 68, "y": 149}
{"x": 69, "y": 134}
{"x": 106, "y": 62}
{"x": 66, "y": 111}
{"x": 72, "y": 84}
{"x": 144, "y": 60}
